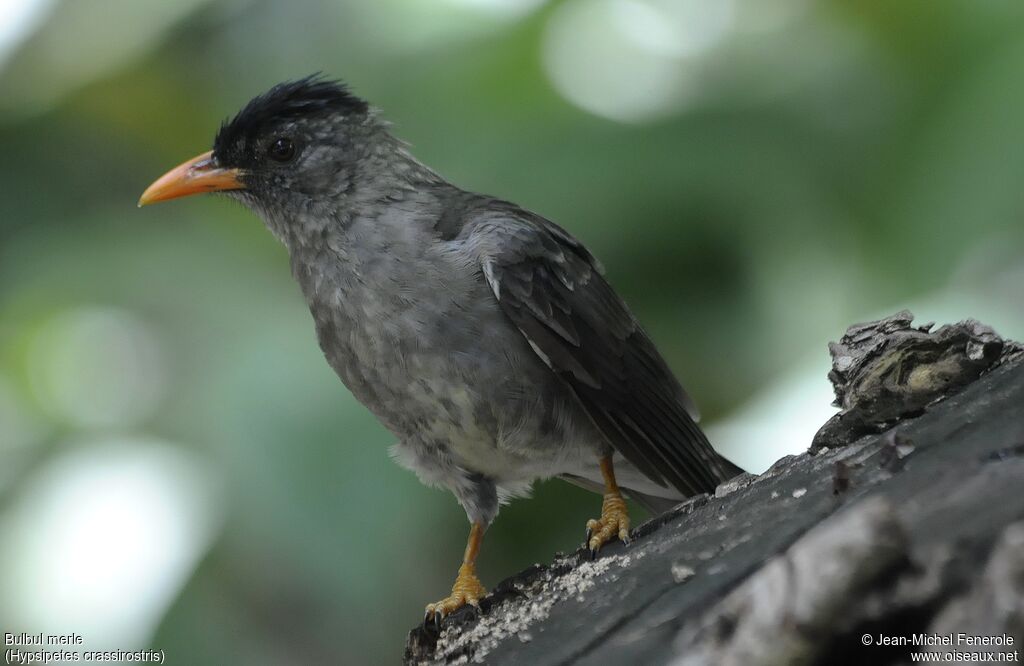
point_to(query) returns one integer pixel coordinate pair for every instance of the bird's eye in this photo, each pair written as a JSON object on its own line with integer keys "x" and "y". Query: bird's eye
{"x": 281, "y": 149}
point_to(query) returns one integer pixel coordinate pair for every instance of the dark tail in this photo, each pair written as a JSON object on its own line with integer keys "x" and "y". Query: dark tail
{"x": 726, "y": 469}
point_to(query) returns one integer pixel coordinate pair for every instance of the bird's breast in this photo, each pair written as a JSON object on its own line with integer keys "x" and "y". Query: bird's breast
{"x": 402, "y": 330}
{"x": 422, "y": 343}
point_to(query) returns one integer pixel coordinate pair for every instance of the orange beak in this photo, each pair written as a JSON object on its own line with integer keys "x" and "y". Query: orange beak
{"x": 200, "y": 174}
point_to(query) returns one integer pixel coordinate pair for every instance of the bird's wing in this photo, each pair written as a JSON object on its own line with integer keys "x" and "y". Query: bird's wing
{"x": 552, "y": 289}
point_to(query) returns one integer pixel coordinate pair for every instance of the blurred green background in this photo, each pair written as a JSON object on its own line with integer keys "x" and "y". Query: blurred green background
{"x": 181, "y": 469}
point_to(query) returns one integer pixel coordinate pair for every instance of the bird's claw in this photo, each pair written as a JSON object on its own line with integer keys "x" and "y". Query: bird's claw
{"x": 614, "y": 521}
{"x": 467, "y": 590}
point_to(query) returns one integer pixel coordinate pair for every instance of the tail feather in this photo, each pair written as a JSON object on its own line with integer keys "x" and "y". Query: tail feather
{"x": 653, "y": 504}
{"x": 728, "y": 469}
{"x": 724, "y": 469}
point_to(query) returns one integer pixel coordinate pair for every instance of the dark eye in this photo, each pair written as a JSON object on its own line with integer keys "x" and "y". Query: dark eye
{"x": 281, "y": 149}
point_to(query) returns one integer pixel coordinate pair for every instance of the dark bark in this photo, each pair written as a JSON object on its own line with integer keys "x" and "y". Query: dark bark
{"x": 915, "y": 527}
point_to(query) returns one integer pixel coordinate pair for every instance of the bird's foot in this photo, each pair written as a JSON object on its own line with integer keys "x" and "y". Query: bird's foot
{"x": 614, "y": 521}
{"x": 467, "y": 590}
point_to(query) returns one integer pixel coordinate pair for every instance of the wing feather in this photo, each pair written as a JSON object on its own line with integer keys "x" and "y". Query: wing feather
{"x": 552, "y": 289}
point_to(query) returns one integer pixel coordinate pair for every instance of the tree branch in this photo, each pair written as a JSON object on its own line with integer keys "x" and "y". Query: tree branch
{"x": 906, "y": 517}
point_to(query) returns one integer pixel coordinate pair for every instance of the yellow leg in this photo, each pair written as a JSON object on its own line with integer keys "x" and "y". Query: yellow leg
{"x": 614, "y": 519}
{"x": 467, "y": 588}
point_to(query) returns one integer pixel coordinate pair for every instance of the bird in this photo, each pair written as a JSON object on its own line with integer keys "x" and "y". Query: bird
{"x": 483, "y": 336}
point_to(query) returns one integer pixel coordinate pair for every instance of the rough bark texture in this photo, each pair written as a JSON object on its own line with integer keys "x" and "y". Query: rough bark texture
{"x": 906, "y": 517}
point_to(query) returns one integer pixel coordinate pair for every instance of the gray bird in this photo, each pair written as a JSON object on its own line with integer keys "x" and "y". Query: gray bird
{"x": 481, "y": 334}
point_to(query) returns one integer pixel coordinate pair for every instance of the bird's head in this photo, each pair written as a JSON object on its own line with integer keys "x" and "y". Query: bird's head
{"x": 296, "y": 148}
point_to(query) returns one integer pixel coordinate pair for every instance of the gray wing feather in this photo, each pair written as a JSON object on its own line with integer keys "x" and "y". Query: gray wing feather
{"x": 552, "y": 289}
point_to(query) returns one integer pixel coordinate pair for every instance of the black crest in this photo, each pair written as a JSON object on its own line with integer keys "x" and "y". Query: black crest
{"x": 292, "y": 99}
